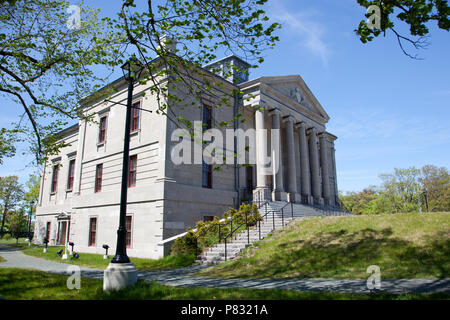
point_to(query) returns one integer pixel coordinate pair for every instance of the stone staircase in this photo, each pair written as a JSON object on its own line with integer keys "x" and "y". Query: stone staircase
{"x": 274, "y": 220}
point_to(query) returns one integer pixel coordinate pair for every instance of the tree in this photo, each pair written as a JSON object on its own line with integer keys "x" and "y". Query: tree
{"x": 403, "y": 189}
{"x": 174, "y": 39}
{"x": 45, "y": 67}
{"x": 11, "y": 193}
{"x": 33, "y": 186}
{"x": 356, "y": 202}
{"x": 416, "y": 14}
{"x": 17, "y": 224}
{"x": 436, "y": 181}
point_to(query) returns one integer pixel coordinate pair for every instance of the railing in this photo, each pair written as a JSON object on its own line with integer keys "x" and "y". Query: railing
{"x": 202, "y": 234}
{"x": 258, "y": 223}
{"x": 262, "y": 205}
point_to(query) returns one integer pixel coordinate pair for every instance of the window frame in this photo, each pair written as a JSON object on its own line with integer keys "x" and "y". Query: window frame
{"x": 132, "y": 171}
{"x": 71, "y": 174}
{"x": 54, "y": 181}
{"x": 208, "y": 172}
{"x": 47, "y": 230}
{"x": 129, "y": 231}
{"x": 135, "y": 119}
{"x": 98, "y": 178}
{"x": 102, "y": 130}
{"x": 92, "y": 238}
{"x": 207, "y": 123}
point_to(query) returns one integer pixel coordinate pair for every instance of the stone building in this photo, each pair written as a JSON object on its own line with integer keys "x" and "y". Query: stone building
{"x": 80, "y": 189}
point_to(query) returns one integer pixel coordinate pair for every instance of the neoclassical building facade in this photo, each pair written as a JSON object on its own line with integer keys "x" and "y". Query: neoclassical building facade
{"x": 80, "y": 189}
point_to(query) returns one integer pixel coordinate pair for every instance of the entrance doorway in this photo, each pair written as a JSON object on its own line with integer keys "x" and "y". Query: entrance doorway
{"x": 62, "y": 233}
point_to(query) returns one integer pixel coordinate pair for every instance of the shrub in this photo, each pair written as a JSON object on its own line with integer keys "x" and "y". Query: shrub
{"x": 7, "y": 236}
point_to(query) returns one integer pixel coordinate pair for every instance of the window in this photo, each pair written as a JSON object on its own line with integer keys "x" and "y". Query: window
{"x": 207, "y": 117}
{"x": 92, "y": 231}
{"x": 70, "y": 175}
{"x": 102, "y": 130}
{"x": 206, "y": 175}
{"x": 98, "y": 177}
{"x": 249, "y": 172}
{"x": 47, "y": 231}
{"x": 132, "y": 171}
{"x": 55, "y": 178}
{"x": 128, "y": 225}
{"x": 135, "y": 112}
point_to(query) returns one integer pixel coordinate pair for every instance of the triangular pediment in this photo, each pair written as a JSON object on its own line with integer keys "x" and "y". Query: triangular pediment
{"x": 63, "y": 215}
{"x": 295, "y": 92}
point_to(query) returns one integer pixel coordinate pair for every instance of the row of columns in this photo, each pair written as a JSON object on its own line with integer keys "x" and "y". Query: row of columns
{"x": 315, "y": 187}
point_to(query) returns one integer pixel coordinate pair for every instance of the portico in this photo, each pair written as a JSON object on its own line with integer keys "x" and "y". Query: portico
{"x": 301, "y": 167}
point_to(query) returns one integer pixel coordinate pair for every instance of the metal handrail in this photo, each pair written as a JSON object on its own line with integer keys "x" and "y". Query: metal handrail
{"x": 203, "y": 233}
{"x": 230, "y": 222}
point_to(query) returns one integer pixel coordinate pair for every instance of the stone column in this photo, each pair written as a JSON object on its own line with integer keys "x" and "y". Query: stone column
{"x": 305, "y": 172}
{"x": 262, "y": 190}
{"x": 290, "y": 147}
{"x": 333, "y": 163}
{"x": 315, "y": 166}
{"x": 325, "y": 162}
{"x": 278, "y": 192}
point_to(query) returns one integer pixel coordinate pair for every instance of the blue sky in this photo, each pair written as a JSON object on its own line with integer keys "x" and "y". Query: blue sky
{"x": 386, "y": 109}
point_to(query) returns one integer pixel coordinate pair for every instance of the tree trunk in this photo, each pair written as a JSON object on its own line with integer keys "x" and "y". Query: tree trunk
{"x": 3, "y": 220}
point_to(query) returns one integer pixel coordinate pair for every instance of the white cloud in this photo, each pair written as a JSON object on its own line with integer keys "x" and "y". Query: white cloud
{"x": 308, "y": 32}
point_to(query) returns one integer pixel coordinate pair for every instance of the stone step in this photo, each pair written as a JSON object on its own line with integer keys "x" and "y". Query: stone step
{"x": 230, "y": 246}
{"x": 222, "y": 254}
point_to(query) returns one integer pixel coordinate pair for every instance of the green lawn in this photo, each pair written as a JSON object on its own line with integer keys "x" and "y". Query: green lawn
{"x": 13, "y": 242}
{"x": 23, "y": 284}
{"x": 97, "y": 261}
{"x": 413, "y": 245}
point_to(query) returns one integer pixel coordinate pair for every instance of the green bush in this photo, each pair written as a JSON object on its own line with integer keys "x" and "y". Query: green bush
{"x": 209, "y": 233}
{"x": 7, "y": 236}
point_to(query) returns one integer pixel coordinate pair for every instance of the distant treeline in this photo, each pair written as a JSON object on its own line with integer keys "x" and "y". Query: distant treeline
{"x": 405, "y": 190}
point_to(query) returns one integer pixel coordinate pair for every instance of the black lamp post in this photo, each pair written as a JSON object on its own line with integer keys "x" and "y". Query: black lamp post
{"x": 425, "y": 195}
{"x": 29, "y": 220}
{"x": 131, "y": 71}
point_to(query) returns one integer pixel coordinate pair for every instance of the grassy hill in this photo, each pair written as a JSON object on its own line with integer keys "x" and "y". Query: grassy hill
{"x": 412, "y": 245}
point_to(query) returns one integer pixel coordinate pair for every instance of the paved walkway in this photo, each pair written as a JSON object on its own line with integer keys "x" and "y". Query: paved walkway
{"x": 184, "y": 277}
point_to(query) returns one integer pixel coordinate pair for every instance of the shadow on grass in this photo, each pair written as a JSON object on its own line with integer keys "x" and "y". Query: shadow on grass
{"x": 30, "y": 284}
{"x": 343, "y": 254}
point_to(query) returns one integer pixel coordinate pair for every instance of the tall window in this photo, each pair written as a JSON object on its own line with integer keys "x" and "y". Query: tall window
{"x": 135, "y": 112}
{"x": 102, "y": 129}
{"x": 132, "y": 171}
{"x": 47, "y": 231}
{"x": 71, "y": 174}
{"x": 98, "y": 177}
{"x": 92, "y": 231}
{"x": 207, "y": 117}
{"x": 206, "y": 175}
{"x": 249, "y": 172}
{"x": 55, "y": 173}
{"x": 128, "y": 225}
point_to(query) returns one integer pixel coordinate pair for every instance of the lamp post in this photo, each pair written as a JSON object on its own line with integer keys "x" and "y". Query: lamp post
{"x": 121, "y": 272}
{"x": 425, "y": 195}
{"x": 29, "y": 222}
